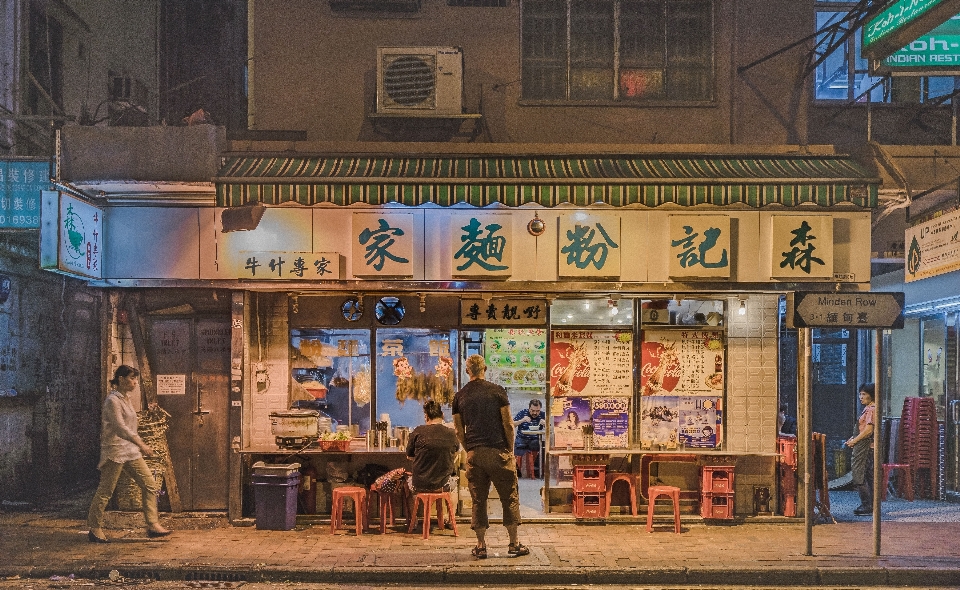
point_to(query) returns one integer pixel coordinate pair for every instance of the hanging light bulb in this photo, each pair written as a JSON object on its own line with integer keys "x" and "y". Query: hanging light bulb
{"x": 743, "y": 307}
{"x": 586, "y": 305}
{"x": 613, "y": 304}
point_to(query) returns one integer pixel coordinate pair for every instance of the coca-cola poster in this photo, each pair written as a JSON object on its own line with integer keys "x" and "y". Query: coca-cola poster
{"x": 591, "y": 363}
{"x": 570, "y": 415}
{"x": 681, "y": 362}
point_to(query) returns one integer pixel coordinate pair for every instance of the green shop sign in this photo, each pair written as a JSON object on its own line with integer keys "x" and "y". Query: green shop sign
{"x": 936, "y": 53}
{"x": 904, "y": 21}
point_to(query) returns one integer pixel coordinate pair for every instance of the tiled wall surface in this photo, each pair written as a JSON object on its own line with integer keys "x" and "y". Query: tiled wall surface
{"x": 273, "y": 343}
{"x": 750, "y": 414}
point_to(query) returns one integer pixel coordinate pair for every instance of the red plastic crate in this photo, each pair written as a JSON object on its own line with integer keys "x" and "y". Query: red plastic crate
{"x": 590, "y": 478}
{"x": 716, "y": 478}
{"x": 719, "y": 506}
{"x": 590, "y": 505}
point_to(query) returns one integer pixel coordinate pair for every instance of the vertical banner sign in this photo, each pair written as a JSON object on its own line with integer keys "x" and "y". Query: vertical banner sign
{"x": 71, "y": 236}
{"x": 21, "y": 183}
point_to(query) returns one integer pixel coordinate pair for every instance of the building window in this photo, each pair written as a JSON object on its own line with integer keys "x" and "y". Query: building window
{"x": 843, "y": 73}
{"x": 617, "y": 50}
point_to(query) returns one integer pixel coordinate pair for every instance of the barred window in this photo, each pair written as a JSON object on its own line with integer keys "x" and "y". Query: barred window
{"x": 617, "y": 50}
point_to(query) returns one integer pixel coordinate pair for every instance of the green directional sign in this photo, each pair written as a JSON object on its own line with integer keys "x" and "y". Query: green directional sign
{"x": 904, "y": 21}
{"x": 846, "y": 310}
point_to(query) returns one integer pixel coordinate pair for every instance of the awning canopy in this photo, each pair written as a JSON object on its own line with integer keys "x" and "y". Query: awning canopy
{"x": 787, "y": 180}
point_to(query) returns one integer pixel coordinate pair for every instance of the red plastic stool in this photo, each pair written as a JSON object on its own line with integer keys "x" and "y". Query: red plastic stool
{"x": 385, "y": 504}
{"x": 427, "y": 499}
{"x": 529, "y": 465}
{"x": 631, "y": 480}
{"x": 908, "y": 476}
{"x": 674, "y": 494}
{"x": 341, "y": 495}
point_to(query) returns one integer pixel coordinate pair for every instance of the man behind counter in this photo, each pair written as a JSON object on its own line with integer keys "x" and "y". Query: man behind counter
{"x": 531, "y": 419}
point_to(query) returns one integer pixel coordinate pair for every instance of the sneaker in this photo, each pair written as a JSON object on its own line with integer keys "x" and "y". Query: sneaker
{"x": 862, "y": 511}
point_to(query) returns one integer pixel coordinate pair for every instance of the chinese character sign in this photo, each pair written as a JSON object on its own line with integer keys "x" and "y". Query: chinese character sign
{"x": 81, "y": 238}
{"x": 383, "y": 245}
{"x": 325, "y": 266}
{"x": 503, "y": 312}
{"x": 933, "y": 247}
{"x": 20, "y": 185}
{"x": 589, "y": 245}
{"x": 482, "y": 246}
{"x": 591, "y": 363}
{"x": 802, "y": 247}
{"x": 681, "y": 362}
{"x": 699, "y": 246}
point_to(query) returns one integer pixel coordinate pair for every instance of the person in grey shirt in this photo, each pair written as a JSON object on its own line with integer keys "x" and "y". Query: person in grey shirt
{"x": 122, "y": 450}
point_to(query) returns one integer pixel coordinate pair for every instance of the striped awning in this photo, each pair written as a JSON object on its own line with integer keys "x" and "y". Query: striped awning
{"x": 547, "y": 181}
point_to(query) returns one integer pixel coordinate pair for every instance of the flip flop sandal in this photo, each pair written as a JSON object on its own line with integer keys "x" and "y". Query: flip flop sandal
{"x": 518, "y": 550}
{"x": 479, "y": 552}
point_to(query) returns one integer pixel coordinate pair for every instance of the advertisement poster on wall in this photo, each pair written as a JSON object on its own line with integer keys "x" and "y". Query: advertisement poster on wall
{"x": 681, "y": 362}
{"x": 570, "y": 415}
{"x": 517, "y": 357}
{"x": 672, "y": 421}
{"x": 611, "y": 422}
{"x": 591, "y": 363}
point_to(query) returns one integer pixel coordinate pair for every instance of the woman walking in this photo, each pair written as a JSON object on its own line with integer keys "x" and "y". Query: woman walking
{"x": 122, "y": 450}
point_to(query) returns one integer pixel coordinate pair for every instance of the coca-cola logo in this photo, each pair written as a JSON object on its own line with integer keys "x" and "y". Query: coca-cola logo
{"x": 660, "y": 369}
{"x": 564, "y": 379}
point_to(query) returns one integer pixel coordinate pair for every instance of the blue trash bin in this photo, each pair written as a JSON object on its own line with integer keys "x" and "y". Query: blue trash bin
{"x": 276, "y": 501}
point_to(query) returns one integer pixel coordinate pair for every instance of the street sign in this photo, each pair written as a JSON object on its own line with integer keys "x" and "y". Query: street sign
{"x": 846, "y": 310}
{"x": 903, "y": 21}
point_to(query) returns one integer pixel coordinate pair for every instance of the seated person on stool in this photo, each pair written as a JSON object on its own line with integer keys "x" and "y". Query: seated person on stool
{"x": 433, "y": 448}
{"x": 525, "y": 420}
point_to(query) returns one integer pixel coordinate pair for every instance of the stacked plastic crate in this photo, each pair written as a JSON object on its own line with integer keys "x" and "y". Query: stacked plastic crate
{"x": 589, "y": 491}
{"x": 919, "y": 444}
{"x": 716, "y": 491}
{"x": 787, "y": 470}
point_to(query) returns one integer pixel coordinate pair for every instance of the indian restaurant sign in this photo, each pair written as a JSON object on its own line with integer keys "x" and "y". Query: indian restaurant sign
{"x": 936, "y": 53}
{"x": 902, "y": 22}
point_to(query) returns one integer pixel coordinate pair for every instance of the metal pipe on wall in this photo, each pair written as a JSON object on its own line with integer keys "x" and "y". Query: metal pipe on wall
{"x": 877, "y": 420}
{"x": 806, "y": 432}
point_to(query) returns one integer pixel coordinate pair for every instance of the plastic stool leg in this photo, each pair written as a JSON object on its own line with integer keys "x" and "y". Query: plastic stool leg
{"x": 413, "y": 515}
{"x": 653, "y": 499}
{"x": 453, "y": 518}
{"x": 426, "y": 518}
{"x": 676, "y": 513}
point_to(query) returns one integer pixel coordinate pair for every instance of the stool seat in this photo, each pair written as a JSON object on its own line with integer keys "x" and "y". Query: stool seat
{"x": 907, "y": 476}
{"x": 674, "y": 494}
{"x": 631, "y": 479}
{"x": 385, "y": 504}
{"x": 427, "y": 499}
{"x": 340, "y": 496}
{"x": 528, "y": 461}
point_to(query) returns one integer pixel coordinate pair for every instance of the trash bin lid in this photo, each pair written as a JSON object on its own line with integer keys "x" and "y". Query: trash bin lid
{"x": 261, "y": 468}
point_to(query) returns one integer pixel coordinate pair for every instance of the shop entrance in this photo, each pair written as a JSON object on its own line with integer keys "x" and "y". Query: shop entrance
{"x": 190, "y": 358}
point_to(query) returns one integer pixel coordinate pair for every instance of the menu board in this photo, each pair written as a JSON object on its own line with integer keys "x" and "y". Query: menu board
{"x": 591, "y": 363}
{"x": 609, "y": 418}
{"x": 681, "y": 362}
{"x": 517, "y": 358}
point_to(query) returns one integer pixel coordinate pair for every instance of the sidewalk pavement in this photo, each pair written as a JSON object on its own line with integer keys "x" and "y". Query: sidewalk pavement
{"x": 205, "y": 547}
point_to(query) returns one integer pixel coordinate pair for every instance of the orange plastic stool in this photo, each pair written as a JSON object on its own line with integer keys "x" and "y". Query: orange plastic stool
{"x": 631, "y": 480}
{"x": 385, "y": 505}
{"x": 340, "y": 496}
{"x": 908, "y": 476}
{"x": 427, "y": 499}
{"x": 527, "y": 459}
{"x": 674, "y": 494}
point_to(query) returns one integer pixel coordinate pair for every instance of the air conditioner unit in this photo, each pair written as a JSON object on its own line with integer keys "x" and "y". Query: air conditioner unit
{"x": 420, "y": 81}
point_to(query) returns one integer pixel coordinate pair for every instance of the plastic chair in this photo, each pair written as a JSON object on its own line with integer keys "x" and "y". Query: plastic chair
{"x": 528, "y": 461}
{"x": 427, "y": 499}
{"x": 674, "y": 494}
{"x": 631, "y": 480}
{"x": 907, "y": 476}
{"x": 340, "y": 496}
{"x": 385, "y": 504}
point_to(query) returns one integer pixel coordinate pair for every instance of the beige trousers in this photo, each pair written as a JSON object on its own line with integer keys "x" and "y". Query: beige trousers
{"x": 109, "y": 474}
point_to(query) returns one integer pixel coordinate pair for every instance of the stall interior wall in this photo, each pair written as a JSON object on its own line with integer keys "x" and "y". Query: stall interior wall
{"x": 268, "y": 367}
{"x": 752, "y": 396}
{"x": 903, "y": 354}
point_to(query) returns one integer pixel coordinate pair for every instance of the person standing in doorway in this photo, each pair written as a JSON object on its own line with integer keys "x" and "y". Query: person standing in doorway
{"x": 527, "y": 421}
{"x": 122, "y": 450}
{"x": 481, "y": 414}
{"x": 862, "y": 445}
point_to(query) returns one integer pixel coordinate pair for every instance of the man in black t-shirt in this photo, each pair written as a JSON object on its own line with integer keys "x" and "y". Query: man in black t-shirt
{"x": 481, "y": 413}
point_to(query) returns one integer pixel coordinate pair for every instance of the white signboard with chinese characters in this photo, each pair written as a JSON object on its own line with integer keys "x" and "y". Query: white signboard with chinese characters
{"x": 482, "y": 246}
{"x": 933, "y": 247}
{"x": 699, "y": 247}
{"x": 802, "y": 247}
{"x": 503, "y": 312}
{"x": 589, "y": 245}
{"x": 383, "y": 245}
{"x": 591, "y": 363}
{"x": 326, "y": 266}
{"x": 171, "y": 384}
{"x": 71, "y": 235}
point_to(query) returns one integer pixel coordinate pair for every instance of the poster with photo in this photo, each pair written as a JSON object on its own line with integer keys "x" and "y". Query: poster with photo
{"x": 700, "y": 422}
{"x": 659, "y": 420}
{"x": 681, "y": 362}
{"x": 591, "y": 363}
{"x": 517, "y": 358}
{"x": 570, "y": 414}
{"x": 611, "y": 422}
